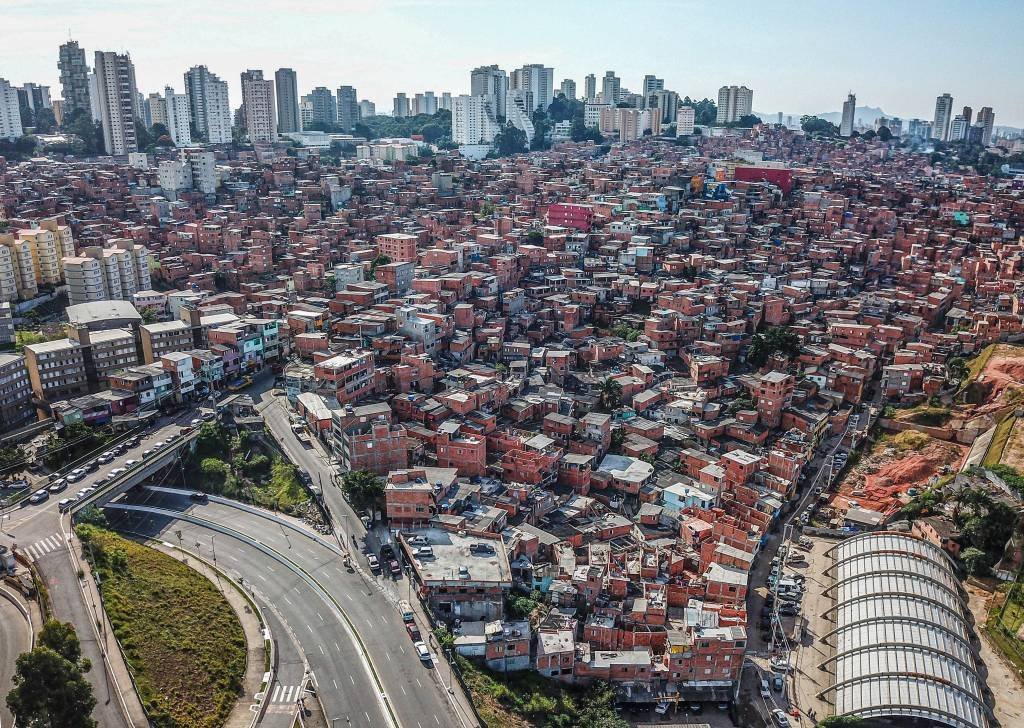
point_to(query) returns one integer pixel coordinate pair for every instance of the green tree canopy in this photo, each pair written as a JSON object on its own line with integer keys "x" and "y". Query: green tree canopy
{"x": 815, "y": 125}
{"x": 62, "y": 639}
{"x": 775, "y": 339}
{"x": 50, "y": 691}
{"x": 510, "y": 140}
{"x": 362, "y": 488}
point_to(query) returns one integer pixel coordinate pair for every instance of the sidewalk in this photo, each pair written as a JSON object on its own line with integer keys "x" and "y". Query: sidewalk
{"x": 115, "y": 665}
{"x": 256, "y": 658}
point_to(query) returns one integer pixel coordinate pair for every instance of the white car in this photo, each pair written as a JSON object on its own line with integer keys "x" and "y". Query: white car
{"x": 422, "y": 652}
{"x": 130, "y": 463}
{"x": 75, "y": 475}
{"x": 105, "y": 458}
{"x": 780, "y": 718}
{"x": 766, "y": 692}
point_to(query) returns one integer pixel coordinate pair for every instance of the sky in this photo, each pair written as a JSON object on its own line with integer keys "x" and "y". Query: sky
{"x": 799, "y": 56}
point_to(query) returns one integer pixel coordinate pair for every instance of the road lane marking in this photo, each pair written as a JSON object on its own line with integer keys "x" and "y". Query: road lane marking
{"x": 321, "y": 649}
{"x": 310, "y": 629}
{"x": 352, "y": 679}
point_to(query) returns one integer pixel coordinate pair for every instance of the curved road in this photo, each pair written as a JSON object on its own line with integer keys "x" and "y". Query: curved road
{"x": 345, "y": 686}
{"x": 15, "y": 638}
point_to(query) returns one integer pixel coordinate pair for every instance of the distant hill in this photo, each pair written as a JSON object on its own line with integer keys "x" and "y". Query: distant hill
{"x": 864, "y": 114}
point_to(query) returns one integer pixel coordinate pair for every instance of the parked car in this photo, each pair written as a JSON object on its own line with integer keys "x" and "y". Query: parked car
{"x": 105, "y": 458}
{"x": 765, "y": 691}
{"x": 425, "y": 552}
{"x": 779, "y": 664}
{"x": 780, "y": 718}
{"x": 778, "y": 683}
{"x": 75, "y": 475}
{"x": 58, "y": 485}
{"x": 789, "y": 609}
{"x": 396, "y": 570}
{"x": 373, "y": 562}
{"x": 405, "y": 609}
{"x": 413, "y": 630}
{"x": 421, "y": 651}
{"x": 387, "y": 552}
{"x": 130, "y": 463}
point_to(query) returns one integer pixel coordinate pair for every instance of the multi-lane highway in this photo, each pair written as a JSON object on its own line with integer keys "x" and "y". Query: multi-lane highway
{"x": 321, "y": 601}
{"x": 40, "y": 533}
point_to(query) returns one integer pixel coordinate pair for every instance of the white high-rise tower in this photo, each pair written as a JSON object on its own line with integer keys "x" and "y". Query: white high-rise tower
{"x": 849, "y": 110}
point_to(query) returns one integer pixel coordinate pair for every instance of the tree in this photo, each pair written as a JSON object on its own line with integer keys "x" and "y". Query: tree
{"x": 50, "y": 691}
{"x": 509, "y": 141}
{"x": 432, "y": 132}
{"x": 535, "y": 237}
{"x": 362, "y": 488}
{"x": 62, "y": 639}
{"x": 11, "y": 458}
{"x": 379, "y": 260}
{"x": 957, "y": 368}
{"x": 869, "y": 135}
{"x": 80, "y": 123}
{"x": 776, "y": 339}
{"x": 975, "y": 561}
{"x": 580, "y": 132}
{"x": 841, "y": 721}
{"x": 814, "y": 125}
{"x": 610, "y": 393}
{"x": 45, "y": 122}
{"x": 284, "y": 482}
{"x": 884, "y": 134}
{"x": 149, "y": 314}
{"x": 747, "y": 121}
{"x": 705, "y": 111}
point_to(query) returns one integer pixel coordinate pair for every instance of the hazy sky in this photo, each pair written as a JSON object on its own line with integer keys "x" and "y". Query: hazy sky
{"x": 799, "y": 56}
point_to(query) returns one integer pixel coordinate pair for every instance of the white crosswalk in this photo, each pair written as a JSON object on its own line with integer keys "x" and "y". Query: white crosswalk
{"x": 44, "y": 546}
{"x": 285, "y": 693}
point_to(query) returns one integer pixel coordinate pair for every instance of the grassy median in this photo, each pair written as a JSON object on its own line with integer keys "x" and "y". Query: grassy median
{"x": 182, "y": 639}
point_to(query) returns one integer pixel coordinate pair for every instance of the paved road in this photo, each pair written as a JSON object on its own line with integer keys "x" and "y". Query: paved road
{"x": 290, "y": 671}
{"x": 36, "y": 530}
{"x": 15, "y": 638}
{"x": 414, "y": 690}
{"x": 319, "y": 629}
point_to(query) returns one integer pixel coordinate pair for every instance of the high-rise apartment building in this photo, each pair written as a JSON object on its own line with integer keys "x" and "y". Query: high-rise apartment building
{"x": 348, "y": 107}
{"x": 590, "y": 88}
{"x": 10, "y": 112}
{"x": 958, "y": 128}
{"x": 611, "y": 88}
{"x": 367, "y": 109}
{"x": 209, "y": 105}
{"x": 446, "y": 101}
{"x": 305, "y": 111}
{"x": 428, "y": 105}
{"x": 325, "y": 108}
{"x": 568, "y": 89}
{"x": 538, "y": 80}
{"x": 943, "y": 117}
{"x": 919, "y": 128}
{"x": 519, "y": 109}
{"x": 849, "y": 111}
{"x": 107, "y": 274}
{"x": 473, "y": 120}
{"x": 174, "y": 112}
{"x": 287, "y": 86}
{"x": 492, "y": 83}
{"x": 986, "y": 120}
{"x": 734, "y": 102}
{"x": 74, "y": 78}
{"x": 667, "y": 102}
{"x": 685, "y": 118}
{"x": 652, "y": 84}
{"x": 16, "y": 408}
{"x": 117, "y": 101}
{"x": 34, "y": 97}
{"x": 259, "y": 109}
{"x": 400, "y": 108}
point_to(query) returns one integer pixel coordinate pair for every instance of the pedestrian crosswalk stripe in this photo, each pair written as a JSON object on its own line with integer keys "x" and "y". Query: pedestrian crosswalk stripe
{"x": 43, "y": 546}
{"x": 285, "y": 693}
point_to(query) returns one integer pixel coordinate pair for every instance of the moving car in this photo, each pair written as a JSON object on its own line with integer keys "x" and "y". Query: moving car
{"x": 58, "y": 485}
{"x": 778, "y": 683}
{"x": 39, "y": 496}
{"x": 197, "y": 495}
{"x": 780, "y": 718}
{"x": 765, "y": 691}
{"x": 105, "y": 458}
{"x": 64, "y": 504}
{"x": 75, "y": 475}
{"x": 396, "y": 570}
{"x": 779, "y": 664}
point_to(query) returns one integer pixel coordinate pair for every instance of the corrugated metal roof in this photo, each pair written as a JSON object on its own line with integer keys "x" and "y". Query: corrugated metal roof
{"x": 902, "y": 641}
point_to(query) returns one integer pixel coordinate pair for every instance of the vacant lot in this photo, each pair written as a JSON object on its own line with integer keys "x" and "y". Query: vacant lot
{"x": 1012, "y": 451}
{"x": 182, "y": 640}
{"x": 894, "y": 465}
{"x": 996, "y": 378}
